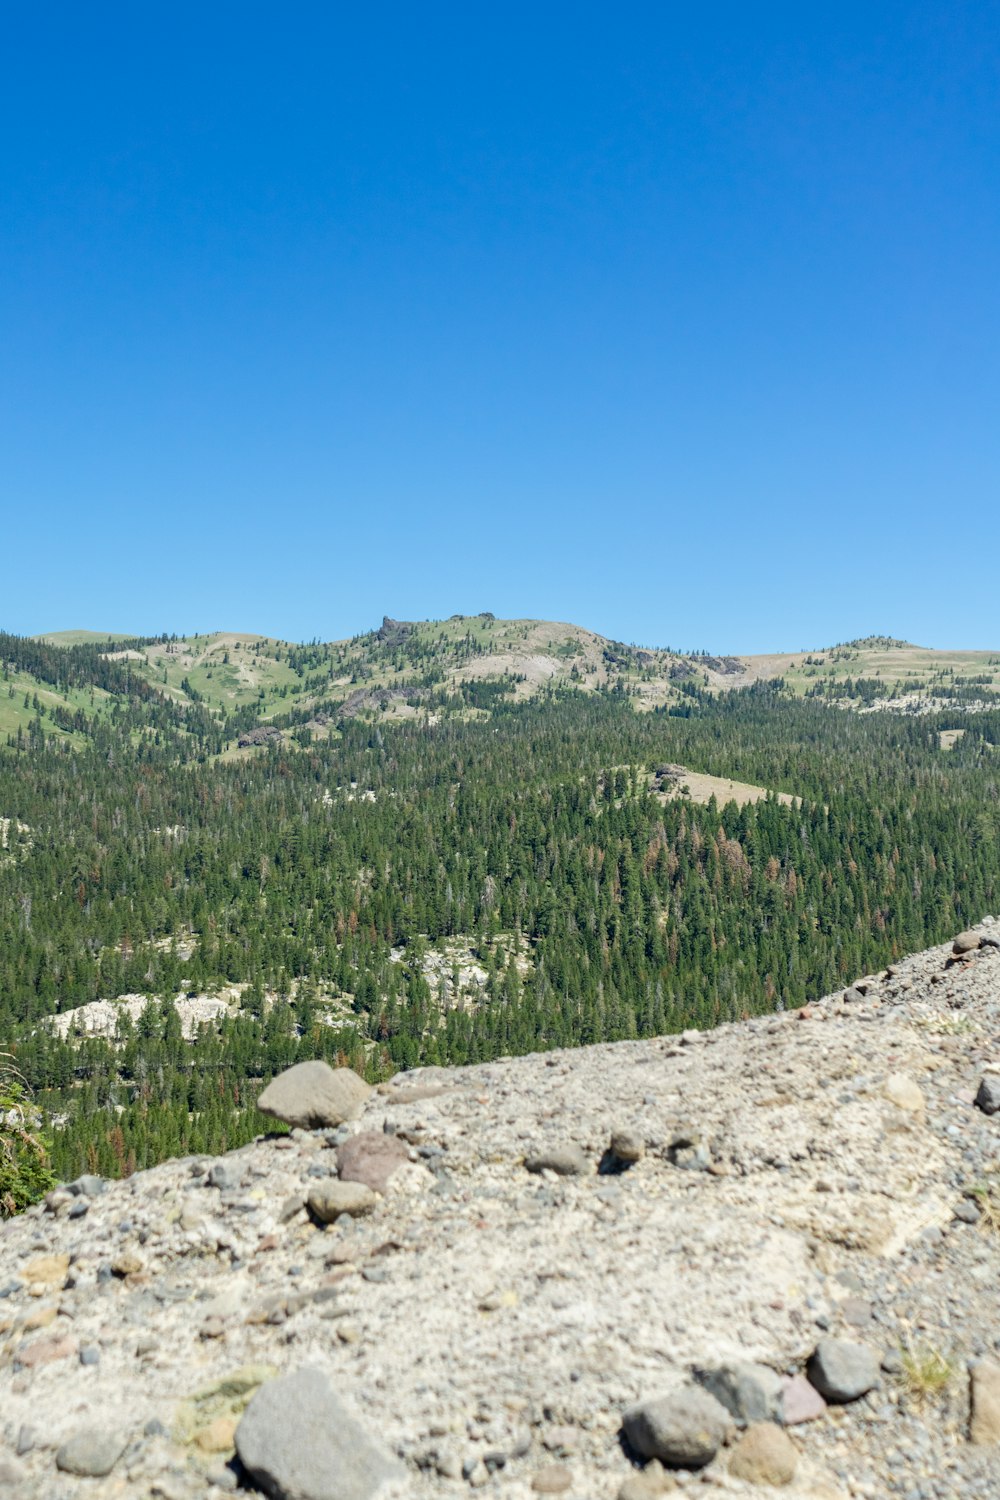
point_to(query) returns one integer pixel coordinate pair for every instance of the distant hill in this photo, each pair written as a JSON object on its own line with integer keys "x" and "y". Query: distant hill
{"x": 226, "y": 687}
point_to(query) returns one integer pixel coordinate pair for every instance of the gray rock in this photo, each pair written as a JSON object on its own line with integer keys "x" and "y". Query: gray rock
{"x": 688, "y": 1151}
{"x": 684, "y": 1430}
{"x": 90, "y": 1354}
{"x": 966, "y": 942}
{"x": 988, "y": 1094}
{"x": 223, "y": 1175}
{"x": 87, "y": 1186}
{"x": 298, "y": 1442}
{"x": 92, "y": 1452}
{"x": 314, "y": 1095}
{"x": 749, "y": 1392}
{"x": 328, "y": 1200}
{"x": 842, "y": 1371}
{"x": 967, "y": 1212}
{"x": 567, "y": 1161}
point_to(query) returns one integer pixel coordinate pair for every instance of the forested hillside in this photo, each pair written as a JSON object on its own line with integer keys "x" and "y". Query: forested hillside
{"x": 452, "y": 889}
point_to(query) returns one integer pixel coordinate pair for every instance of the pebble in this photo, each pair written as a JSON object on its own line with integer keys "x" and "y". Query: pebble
{"x": 685, "y": 1429}
{"x": 91, "y": 1453}
{"x": 842, "y": 1371}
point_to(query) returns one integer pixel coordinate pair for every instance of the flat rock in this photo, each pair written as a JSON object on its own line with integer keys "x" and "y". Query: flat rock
{"x": 371, "y": 1157}
{"x": 313, "y": 1095}
{"x": 91, "y": 1453}
{"x": 764, "y": 1455}
{"x": 567, "y": 1161}
{"x": 299, "y": 1442}
{"x": 685, "y": 1429}
{"x": 843, "y": 1371}
{"x": 328, "y": 1200}
{"x": 555, "y": 1479}
{"x": 984, "y": 1403}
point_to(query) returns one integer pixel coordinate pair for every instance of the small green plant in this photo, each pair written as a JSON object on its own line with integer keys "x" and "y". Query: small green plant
{"x": 926, "y": 1372}
{"x": 25, "y": 1171}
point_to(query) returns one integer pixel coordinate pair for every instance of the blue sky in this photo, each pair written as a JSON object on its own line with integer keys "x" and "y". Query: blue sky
{"x": 679, "y": 322}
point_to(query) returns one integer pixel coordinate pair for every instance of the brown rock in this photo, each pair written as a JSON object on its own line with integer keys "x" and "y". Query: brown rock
{"x": 764, "y": 1455}
{"x": 45, "y": 1351}
{"x": 653, "y": 1480}
{"x": 984, "y": 1400}
{"x": 371, "y": 1157}
{"x": 901, "y": 1090}
{"x": 46, "y": 1270}
{"x": 966, "y": 942}
{"x": 218, "y": 1437}
{"x": 127, "y": 1264}
{"x": 552, "y": 1480}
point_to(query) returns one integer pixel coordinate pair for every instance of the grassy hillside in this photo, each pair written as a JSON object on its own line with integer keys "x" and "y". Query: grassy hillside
{"x": 212, "y": 691}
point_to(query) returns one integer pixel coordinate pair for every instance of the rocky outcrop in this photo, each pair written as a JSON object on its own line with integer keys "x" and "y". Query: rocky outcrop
{"x": 744, "y": 1262}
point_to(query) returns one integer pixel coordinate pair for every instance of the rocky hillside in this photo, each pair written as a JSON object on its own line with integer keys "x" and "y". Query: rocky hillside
{"x": 757, "y": 1260}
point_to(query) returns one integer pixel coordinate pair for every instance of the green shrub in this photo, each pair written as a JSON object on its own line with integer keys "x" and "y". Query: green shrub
{"x": 25, "y": 1171}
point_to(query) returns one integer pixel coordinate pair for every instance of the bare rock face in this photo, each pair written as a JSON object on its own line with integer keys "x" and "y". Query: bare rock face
{"x": 313, "y": 1095}
{"x": 685, "y": 1429}
{"x": 298, "y": 1442}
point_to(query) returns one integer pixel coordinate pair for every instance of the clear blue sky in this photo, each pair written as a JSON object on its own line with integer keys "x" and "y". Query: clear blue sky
{"x": 680, "y": 322}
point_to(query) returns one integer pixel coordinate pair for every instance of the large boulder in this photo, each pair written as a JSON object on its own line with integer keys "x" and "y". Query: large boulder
{"x": 298, "y": 1442}
{"x": 685, "y": 1429}
{"x": 313, "y": 1095}
{"x": 984, "y": 1403}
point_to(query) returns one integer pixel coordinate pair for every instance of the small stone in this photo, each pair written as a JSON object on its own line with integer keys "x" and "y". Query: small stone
{"x": 842, "y": 1371}
{"x": 552, "y": 1480}
{"x": 314, "y": 1095}
{"x": 626, "y": 1146}
{"x": 685, "y": 1429}
{"x": 967, "y": 1212}
{"x": 26, "y": 1438}
{"x": 298, "y": 1441}
{"x": 91, "y": 1453}
{"x": 984, "y": 1403}
{"x": 566, "y": 1161}
{"x": 371, "y": 1157}
{"x": 988, "y": 1094}
{"x": 223, "y": 1175}
{"x": 688, "y": 1151}
{"x": 764, "y": 1455}
{"x": 332, "y": 1198}
{"x": 800, "y": 1401}
{"x": 966, "y": 942}
{"x": 217, "y": 1437}
{"x": 90, "y": 1355}
{"x": 856, "y": 1311}
{"x": 901, "y": 1090}
{"x": 127, "y": 1264}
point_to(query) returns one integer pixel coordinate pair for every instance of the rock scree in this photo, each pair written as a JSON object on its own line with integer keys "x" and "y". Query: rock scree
{"x": 744, "y": 1262}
